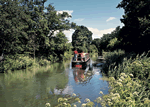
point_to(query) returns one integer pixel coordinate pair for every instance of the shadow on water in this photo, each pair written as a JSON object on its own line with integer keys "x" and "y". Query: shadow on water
{"x": 49, "y": 86}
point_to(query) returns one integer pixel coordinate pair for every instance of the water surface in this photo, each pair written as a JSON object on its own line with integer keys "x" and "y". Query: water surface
{"x": 49, "y": 86}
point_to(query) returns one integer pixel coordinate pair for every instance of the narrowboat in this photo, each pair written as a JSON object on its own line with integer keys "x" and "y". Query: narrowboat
{"x": 79, "y": 63}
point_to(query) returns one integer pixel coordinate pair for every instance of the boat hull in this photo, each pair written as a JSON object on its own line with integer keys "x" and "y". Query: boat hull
{"x": 80, "y": 64}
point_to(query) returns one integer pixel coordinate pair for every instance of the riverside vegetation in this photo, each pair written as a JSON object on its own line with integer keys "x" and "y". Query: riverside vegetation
{"x": 28, "y": 42}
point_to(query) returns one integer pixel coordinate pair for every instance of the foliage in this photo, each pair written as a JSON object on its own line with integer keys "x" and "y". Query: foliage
{"x": 81, "y": 37}
{"x": 125, "y": 91}
{"x": 112, "y": 43}
{"x": 70, "y": 102}
{"x": 96, "y": 42}
{"x": 136, "y": 31}
{"x": 17, "y": 62}
{"x": 26, "y": 27}
{"x": 92, "y": 49}
{"x": 112, "y": 59}
{"x": 137, "y": 67}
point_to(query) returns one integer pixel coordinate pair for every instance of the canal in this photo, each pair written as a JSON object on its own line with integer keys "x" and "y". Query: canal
{"x": 48, "y": 86}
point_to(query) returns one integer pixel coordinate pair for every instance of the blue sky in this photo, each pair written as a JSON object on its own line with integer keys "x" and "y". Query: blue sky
{"x": 99, "y": 16}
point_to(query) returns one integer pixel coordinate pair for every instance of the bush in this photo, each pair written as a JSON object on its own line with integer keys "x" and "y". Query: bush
{"x": 126, "y": 92}
{"x": 17, "y": 62}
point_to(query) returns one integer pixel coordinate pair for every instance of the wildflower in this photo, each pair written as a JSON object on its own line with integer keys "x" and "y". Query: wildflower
{"x": 110, "y": 103}
{"x": 73, "y": 94}
{"x": 108, "y": 99}
{"x": 87, "y": 100}
{"x": 74, "y": 105}
{"x": 47, "y": 104}
{"x": 117, "y": 95}
{"x": 135, "y": 93}
{"x": 100, "y": 92}
{"x": 83, "y": 105}
{"x": 112, "y": 78}
{"x": 65, "y": 103}
{"x": 131, "y": 75}
{"x": 60, "y": 99}
{"x": 123, "y": 74}
{"x": 114, "y": 98}
{"x": 119, "y": 83}
{"x": 120, "y": 80}
{"x": 98, "y": 100}
{"x": 65, "y": 99}
{"x": 79, "y": 101}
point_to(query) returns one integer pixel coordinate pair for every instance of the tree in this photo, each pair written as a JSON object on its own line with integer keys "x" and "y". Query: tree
{"x": 136, "y": 31}
{"x": 81, "y": 37}
{"x": 13, "y": 26}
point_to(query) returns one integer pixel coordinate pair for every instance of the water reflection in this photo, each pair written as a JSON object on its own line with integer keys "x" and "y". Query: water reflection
{"x": 82, "y": 76}
{"x": 49, "y": 86}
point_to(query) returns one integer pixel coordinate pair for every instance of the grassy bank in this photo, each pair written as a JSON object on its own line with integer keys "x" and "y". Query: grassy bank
{"x": 25, "y": 62}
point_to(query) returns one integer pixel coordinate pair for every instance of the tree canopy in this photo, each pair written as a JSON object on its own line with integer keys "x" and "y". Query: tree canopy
{"x": 82, "y": 37}
{"x": 29, "y": 26}
{"x": 136, "y": 31}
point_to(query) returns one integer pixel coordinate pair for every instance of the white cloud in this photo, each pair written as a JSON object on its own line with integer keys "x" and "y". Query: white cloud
{"x": 99, "y": 33}
{"x": 111, "y": 18}
{"x": 77, "y": 20}
{"x": 96, "y": 33}
{"x": 68, "y": 11}
{"x": 69, "y": 33}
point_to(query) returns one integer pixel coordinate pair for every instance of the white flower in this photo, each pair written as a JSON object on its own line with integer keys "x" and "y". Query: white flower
{"x": 65, "y": 99}
{"x": 114, "y": 98}
{"x": 135, "y": 93}
{"x": 117, "y": 95}
{"x": 87, "y": 100}
{"x": 108, "y": 99}
{"x": 83, "y": 105}
{"x": 74, "y": 105}
{"x": 119, "y": 83}
{"x": 47, "y": 104}
{"x": 123, "y": 74}
{"x": 65, "y": 103}
{"x": 131, "y": 75}
{"x": 98, "y": 99}
{"x": 112, "y": 78}
{"x": 120, "y": 80}
{"x": 74, "y": 94}
{"x": 100, "y": 92}
{"x": 79, "y": 101}
{"x": 110, "y": 103}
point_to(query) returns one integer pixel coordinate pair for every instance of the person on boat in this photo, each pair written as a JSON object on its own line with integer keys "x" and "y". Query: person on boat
{"x": 83, "y": 56}
{"x": 75, "y": 55}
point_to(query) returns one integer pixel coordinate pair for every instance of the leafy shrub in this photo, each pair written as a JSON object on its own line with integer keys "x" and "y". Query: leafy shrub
{"x": 17, "y": 62}
{"x": 44, "y": 62}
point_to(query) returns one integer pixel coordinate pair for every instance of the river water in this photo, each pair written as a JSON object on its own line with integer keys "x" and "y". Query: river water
{"x": 46, "y": 87}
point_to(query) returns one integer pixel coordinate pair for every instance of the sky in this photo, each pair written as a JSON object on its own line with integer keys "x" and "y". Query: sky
{"x": 99, "y": 16}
